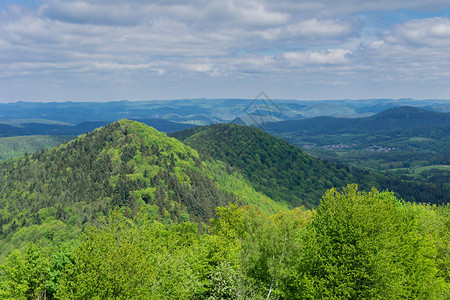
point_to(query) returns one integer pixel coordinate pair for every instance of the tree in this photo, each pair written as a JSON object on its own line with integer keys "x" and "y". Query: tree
{"x": 365, "y": 245}
{"x": 26, "y": 275}
{"x": 270, "y": 246}
{"x": 133, "y": 259}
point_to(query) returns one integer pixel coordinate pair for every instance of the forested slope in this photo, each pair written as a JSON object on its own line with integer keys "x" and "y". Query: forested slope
{"x": 286, "y": 173}
{"x": 273, "y": 166}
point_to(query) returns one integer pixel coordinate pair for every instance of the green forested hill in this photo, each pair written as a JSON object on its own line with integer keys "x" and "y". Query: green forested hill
{"x": 286, "y": 173}
{"x": 18, "y": 137}
{"x": 273, "y": 166}
{"x": 127, "y": 164}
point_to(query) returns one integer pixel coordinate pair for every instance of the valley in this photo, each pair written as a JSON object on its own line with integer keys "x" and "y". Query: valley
{"x": 402, "y": 141}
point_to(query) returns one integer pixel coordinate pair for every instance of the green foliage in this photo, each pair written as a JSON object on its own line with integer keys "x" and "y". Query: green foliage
{"x": 224, "y": 282}
{"x": 270, "y": 248}
{"x": 433, "y": 223}
{"x": 134, "y": 259}
{"x": 356, "y": 245}
{"x": 48, "y": 234}
{"x": 233, "y": 182}
{"x": 265, "y": 249}
{"x": 367, "y": 245}
{"x": 26, "y": 274}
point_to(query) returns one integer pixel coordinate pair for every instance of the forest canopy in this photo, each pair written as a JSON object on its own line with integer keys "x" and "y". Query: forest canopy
{"x": 355, "y": 245}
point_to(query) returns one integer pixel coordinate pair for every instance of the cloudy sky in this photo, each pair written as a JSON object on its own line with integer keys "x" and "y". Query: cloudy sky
{"x": 104, "y": 50}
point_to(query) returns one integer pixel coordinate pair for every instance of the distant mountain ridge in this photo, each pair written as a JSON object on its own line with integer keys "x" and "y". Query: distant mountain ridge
{"x": 398, "y": 118}
{"x": 81, "y": 128}
{"x": 205, "y": 111}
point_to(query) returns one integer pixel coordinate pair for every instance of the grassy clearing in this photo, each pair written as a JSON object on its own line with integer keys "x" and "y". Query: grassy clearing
{"x": 432, "y": 167}
{"x": 419, "y": 139}
{"x": 417, "y": 171}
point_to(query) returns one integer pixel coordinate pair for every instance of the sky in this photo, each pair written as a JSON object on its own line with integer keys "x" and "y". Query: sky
{"x": 98, "y": 50}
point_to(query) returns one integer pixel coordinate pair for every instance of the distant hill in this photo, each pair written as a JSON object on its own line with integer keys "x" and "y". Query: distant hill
{"x": 81, "y": 128}
{"x": 399, "y": 118}
{"x": 9, "y": 130}
{"x": 205, "y": 111}
{"x": 285, "y": 173}
{"x": 16, "y": 146}
{"x": 164, "y": 125}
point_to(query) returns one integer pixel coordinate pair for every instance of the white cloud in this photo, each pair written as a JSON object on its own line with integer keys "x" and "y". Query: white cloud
{"x": 249, "y": 13}
{"x": 128, "y": 13}
{"x": 431, "y": 32}
{"x": 94, "y": 12}
{"x": 313, "y": 27}
{"x": 202, "y": 68}
{"x": 123, "y": 35}
{"x": 329, "y": 8}
{"x": 313, "y": 31}
{"x": 331, "y": 56}
{"x": 414, "y": 51}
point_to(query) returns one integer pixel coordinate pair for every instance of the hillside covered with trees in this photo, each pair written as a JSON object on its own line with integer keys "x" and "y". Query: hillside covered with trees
{"x": 16, "y": 146}
{"x": 286, "y": 173}
{"x": 126, "y": 212}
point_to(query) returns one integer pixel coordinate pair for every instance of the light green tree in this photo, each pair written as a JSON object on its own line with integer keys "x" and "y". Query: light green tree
{"x": 26, "y": 274}
{"x": 133, "y": 259}
{"x": 365, "y": 245}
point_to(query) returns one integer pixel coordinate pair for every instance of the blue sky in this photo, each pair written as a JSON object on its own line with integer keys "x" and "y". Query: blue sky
{"x": 59, "y": 50}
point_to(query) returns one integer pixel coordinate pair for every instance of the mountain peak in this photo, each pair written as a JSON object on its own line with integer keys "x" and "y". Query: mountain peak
{"x": 134, "y": 127}
{"x": 408, "y": 113}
